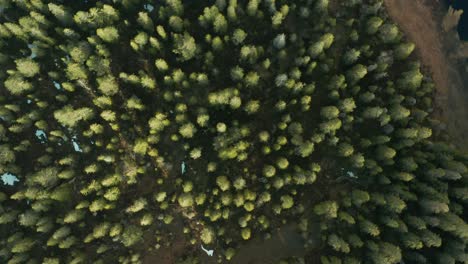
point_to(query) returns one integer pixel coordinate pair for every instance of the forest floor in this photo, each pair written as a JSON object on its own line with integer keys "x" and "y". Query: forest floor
{"x": 421, "y": 20}
{"x": 284, "y": 242}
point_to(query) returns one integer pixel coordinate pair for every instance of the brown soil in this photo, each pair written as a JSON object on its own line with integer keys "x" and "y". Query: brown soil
{"x": 284, "y": 242}
{"x": 421, "y": 21}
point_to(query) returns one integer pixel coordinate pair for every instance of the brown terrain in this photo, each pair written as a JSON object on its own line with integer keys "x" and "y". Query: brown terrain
{"x": 438, "y": 51}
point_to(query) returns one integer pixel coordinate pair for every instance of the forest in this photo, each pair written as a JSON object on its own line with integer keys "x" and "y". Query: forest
{"x": 124, "y": 120}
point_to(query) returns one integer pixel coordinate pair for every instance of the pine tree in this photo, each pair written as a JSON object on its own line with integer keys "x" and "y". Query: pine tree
{"x": 279, "y": 41}
{"x": 27, "y": 67}
{"x": 124, "y": 119}
{"x": 17, "y": 85}
{"x": 338, "y": 244}
{"x": 286, "y": 201}
{"x": 246, "y": 233}
{"x": 23, "y": 245}
{"x": 176, "y": 23}
{"x": 386, "y": 253}
{"x": 185, "y": 200}
{"x": 356, "y": 73}
{"x": 223, "y": 183}
{"x": 328, "y": 209}
{"x": 389, "y": 33}
{"x": 329, "y": 112}
{"x": 70, "y": 117}
{"x": 373, "y": 25}
{"x": 61, "y": 13}
{"x": 269, "y": 171}
{"x": 131, "y": 235}
{"x": 187, "y": 130}
{"x": 351, "y": 56}
{"x": 220, "y": 24}
{"x": 411, "y": 80}
{"x": 184, "y": 46}
{"x": 145, "y": 21}
{"x": 108, "y": 34}
{"x": 207, "y": 235}
{"x": 402, "y": 51}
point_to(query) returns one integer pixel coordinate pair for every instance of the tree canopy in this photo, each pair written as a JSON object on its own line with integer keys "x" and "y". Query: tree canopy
{"x": 216, "y": 122}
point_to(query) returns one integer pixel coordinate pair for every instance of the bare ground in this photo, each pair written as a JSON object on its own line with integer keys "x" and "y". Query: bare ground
{"x": 421, "y": 21}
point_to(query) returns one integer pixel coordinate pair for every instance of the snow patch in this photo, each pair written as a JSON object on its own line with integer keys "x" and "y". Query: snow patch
{"x": 9, "y": 179}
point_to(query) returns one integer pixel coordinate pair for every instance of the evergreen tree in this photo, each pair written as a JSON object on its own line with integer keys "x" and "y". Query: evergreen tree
{"x": 108, "y": 34}
{"x": 404, "y": 50}
{"x": 124, "y": 121}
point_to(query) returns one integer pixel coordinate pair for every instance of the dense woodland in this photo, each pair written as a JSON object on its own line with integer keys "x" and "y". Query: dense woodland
{"x": 228, "y": 119}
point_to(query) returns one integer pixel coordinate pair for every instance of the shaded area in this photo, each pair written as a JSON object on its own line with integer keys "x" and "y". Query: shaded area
{"x": 463, "y": 23}
{"x": 285, "y": 242}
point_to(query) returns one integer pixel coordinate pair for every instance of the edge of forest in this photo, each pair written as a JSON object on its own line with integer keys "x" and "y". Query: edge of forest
{"x": 444, "y": 56}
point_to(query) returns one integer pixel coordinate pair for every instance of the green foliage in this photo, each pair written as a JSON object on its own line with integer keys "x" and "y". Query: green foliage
{"x": 161, "y": 65}
{"x": 389, "y": 33}
{"x": 70, "y": 117}
{"x": 345, "y": 149}
{"x": 338, "y": 244}
{"x": 329, "y": 112}
{"x": 17, "y": 85}
{"x": 185, "y": 200}
{"x": 373, "y": 25}
{"x": 223, "y": 183}
{"x": 286, "y": 201}
{"x": 246, "y": 233}
{"x": 411, "y": 80}
{"x": 327, "y": 209}
{"x": 403, "y": 50}
{"x": 351, "y": 56}
{"x": 187, "y": 130}
{"x": 108, "y": 85}
{"x": 23, "y": 245}
{"x": 27, "y": 67}
{"x": 131, "y": 235}
{"x": 238, "y": 36}
{"x": 61, "y": 13}
{"x": 145, "y": 21}
{"x": 386, "y": 253}
{"x": 224, "y": 120}
{"x": 207, "y": 235}
{"x": 76, "y": 71}
{"x": 356, "y": 73}
{"x": 108, "y": 34}
{"x": 184, "y": 46}
{"x": 269, "y": 171}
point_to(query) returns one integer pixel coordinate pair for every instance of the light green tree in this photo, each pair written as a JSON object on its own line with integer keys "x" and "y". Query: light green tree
{"x": 328, "y": 209}
{"x": 184, "y": 46}
{"x": 185, "y": 200}
{"x": 27, "y": 67}
{"x": 207, "y": 235}
{"x": 223, "y": 183}
{"x": 108, "y": 34}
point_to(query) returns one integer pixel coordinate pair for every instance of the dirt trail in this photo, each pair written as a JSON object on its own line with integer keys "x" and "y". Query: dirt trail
{"x": 418, "y": 20}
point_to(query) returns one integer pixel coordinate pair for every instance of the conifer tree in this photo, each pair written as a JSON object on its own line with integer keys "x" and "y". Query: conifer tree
{"x": 124, "y": 121}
